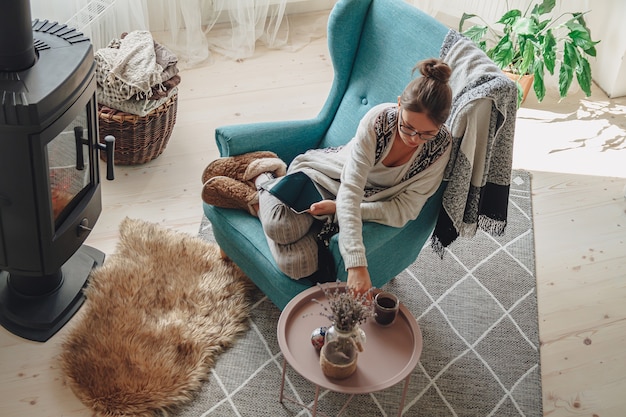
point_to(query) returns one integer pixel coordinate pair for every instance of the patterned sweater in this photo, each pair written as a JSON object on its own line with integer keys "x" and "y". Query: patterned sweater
{"x": 364, "y": 188}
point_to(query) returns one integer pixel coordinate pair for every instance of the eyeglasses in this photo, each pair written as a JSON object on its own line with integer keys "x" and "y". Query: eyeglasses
{"x": 427, "y": 136}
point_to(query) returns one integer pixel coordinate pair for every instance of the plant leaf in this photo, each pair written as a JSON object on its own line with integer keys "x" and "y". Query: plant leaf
{"x": 545, "y": 7}
{"x": 463, "y": 19}
{"x": 483, "y": 46}
{"x": 538, "y": 85}
{"x": 510, "y": 17}
{"x": 548, "y": 50}
{"x": 475, "y": 33}
{"x": 525, "y": 26}
{"x": 502, "y": 53}
{"x": 580, "y": 34}
{"x": 583, "y": 75}
{"x": 566, "y": 75}
{"x": 541, "y": 25}
{"x": 591, "y": 51}
{"x": 570, "y": 55}
{"x": 580, "y": 18}
{"x": 528, "y": 55}
{"x": 574, "y": 25}
{"x": 583, "y": 40}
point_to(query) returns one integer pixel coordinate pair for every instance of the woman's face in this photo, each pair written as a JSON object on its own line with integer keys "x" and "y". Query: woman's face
{"x": 415, "y": 128}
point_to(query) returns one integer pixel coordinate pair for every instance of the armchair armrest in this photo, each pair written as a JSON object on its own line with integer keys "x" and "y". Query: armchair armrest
{"x": 286, "y": 138}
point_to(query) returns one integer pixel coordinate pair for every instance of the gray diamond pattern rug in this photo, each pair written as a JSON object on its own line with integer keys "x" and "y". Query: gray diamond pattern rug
{"x": 477, "y": 309}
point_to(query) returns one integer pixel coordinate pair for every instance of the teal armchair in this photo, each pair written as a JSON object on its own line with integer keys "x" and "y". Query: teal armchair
{"x": 373, "y": 45}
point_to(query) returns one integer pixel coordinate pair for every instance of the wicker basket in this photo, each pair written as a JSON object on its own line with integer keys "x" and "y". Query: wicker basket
{"x": 138, "y": 139}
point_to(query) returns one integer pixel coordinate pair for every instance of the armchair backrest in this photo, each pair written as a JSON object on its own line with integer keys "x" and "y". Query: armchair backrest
{"x": 374, "y": 45}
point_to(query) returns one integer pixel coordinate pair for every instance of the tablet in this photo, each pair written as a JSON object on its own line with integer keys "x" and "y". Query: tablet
{"x": 296, "y": 190}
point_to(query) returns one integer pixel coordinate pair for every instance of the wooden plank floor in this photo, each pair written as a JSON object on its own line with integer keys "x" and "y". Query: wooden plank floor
{"x": 575, "y": 150}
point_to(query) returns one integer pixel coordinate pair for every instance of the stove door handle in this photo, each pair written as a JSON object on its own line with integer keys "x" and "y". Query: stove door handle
{"x": 109, "y": 147}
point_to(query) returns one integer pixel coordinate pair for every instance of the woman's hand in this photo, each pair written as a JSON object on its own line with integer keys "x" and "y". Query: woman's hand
{"x": 323, "y": 207}
{"x": 359, "y": 279}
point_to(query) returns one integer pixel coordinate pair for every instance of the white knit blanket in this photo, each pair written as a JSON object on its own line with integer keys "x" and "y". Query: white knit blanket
{"x": 128, "y": 67}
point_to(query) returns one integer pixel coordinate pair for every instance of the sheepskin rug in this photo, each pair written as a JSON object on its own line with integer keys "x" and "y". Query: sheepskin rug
{"x": 158, "y": 312}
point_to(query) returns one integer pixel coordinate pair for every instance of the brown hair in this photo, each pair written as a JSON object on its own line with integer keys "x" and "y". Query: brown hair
{"x": 429, "y": 94}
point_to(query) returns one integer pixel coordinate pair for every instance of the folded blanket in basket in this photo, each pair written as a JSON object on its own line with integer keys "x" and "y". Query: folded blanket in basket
{"x": 166, "y": 59}
{"x": 135, "y": 74}
{"x": 137, "y": 107}
{"x": 130, "y": 69}
{"x": 158, "y": 93}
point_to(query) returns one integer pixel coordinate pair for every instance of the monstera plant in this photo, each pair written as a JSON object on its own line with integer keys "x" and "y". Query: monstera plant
{"x": 533, "y": 41}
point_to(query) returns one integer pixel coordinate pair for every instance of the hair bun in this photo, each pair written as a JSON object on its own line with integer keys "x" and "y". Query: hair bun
{"x": 435, "y": 69}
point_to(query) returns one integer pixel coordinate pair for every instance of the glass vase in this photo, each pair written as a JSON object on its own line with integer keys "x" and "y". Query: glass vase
{"x": 338, "y": 357}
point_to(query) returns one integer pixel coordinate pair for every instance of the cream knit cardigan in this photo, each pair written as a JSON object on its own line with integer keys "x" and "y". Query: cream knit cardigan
{"x": 365, "y": 189}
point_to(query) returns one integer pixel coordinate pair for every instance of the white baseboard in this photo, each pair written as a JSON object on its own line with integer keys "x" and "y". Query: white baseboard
{"x": 307, "y": 6}
{"x": 296, "y": 7}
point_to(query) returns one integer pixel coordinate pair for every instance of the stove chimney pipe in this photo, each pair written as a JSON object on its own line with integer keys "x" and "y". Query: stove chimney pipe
{"x": 17, "y": 50}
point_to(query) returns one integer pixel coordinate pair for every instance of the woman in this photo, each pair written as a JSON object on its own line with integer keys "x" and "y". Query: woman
{"x": 385, "y": 174}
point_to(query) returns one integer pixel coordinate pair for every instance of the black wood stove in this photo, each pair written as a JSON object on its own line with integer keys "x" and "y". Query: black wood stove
{"x": 50, "y": 195}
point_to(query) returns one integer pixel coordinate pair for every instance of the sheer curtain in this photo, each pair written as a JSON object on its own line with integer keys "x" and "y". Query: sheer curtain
{"x": 193, "y": 29}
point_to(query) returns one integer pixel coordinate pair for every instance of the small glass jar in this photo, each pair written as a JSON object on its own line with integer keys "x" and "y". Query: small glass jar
{"x": 340, "y": 352}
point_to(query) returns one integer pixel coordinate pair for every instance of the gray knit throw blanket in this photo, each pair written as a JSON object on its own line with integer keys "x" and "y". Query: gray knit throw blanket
{"x": 482, "y": 122}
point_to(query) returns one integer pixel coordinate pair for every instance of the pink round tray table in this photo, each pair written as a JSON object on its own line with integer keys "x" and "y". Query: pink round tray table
{"x": 390, "y": 353}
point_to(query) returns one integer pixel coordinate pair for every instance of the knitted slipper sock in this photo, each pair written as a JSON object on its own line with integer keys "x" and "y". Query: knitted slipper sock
{"x": 226, "y": 192}
{"x": 235, "y": 166}
{"x": 274, "y": 166}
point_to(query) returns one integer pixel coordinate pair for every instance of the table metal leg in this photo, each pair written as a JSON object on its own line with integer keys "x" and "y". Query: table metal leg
{"x": 313, "y": 409}
{"x": 282, "y": 382}
{"x": 283, "y": 397}
{"x": 404, "y": 392}
{"x": 317, "y": 395}
{"x": 345, "y": 405}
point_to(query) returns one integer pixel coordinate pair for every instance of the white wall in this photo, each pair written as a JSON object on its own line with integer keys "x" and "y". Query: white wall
{"x": 607, "y": 22}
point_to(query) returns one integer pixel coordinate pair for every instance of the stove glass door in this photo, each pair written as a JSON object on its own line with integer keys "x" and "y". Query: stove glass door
{"x": 69, "y": 166}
